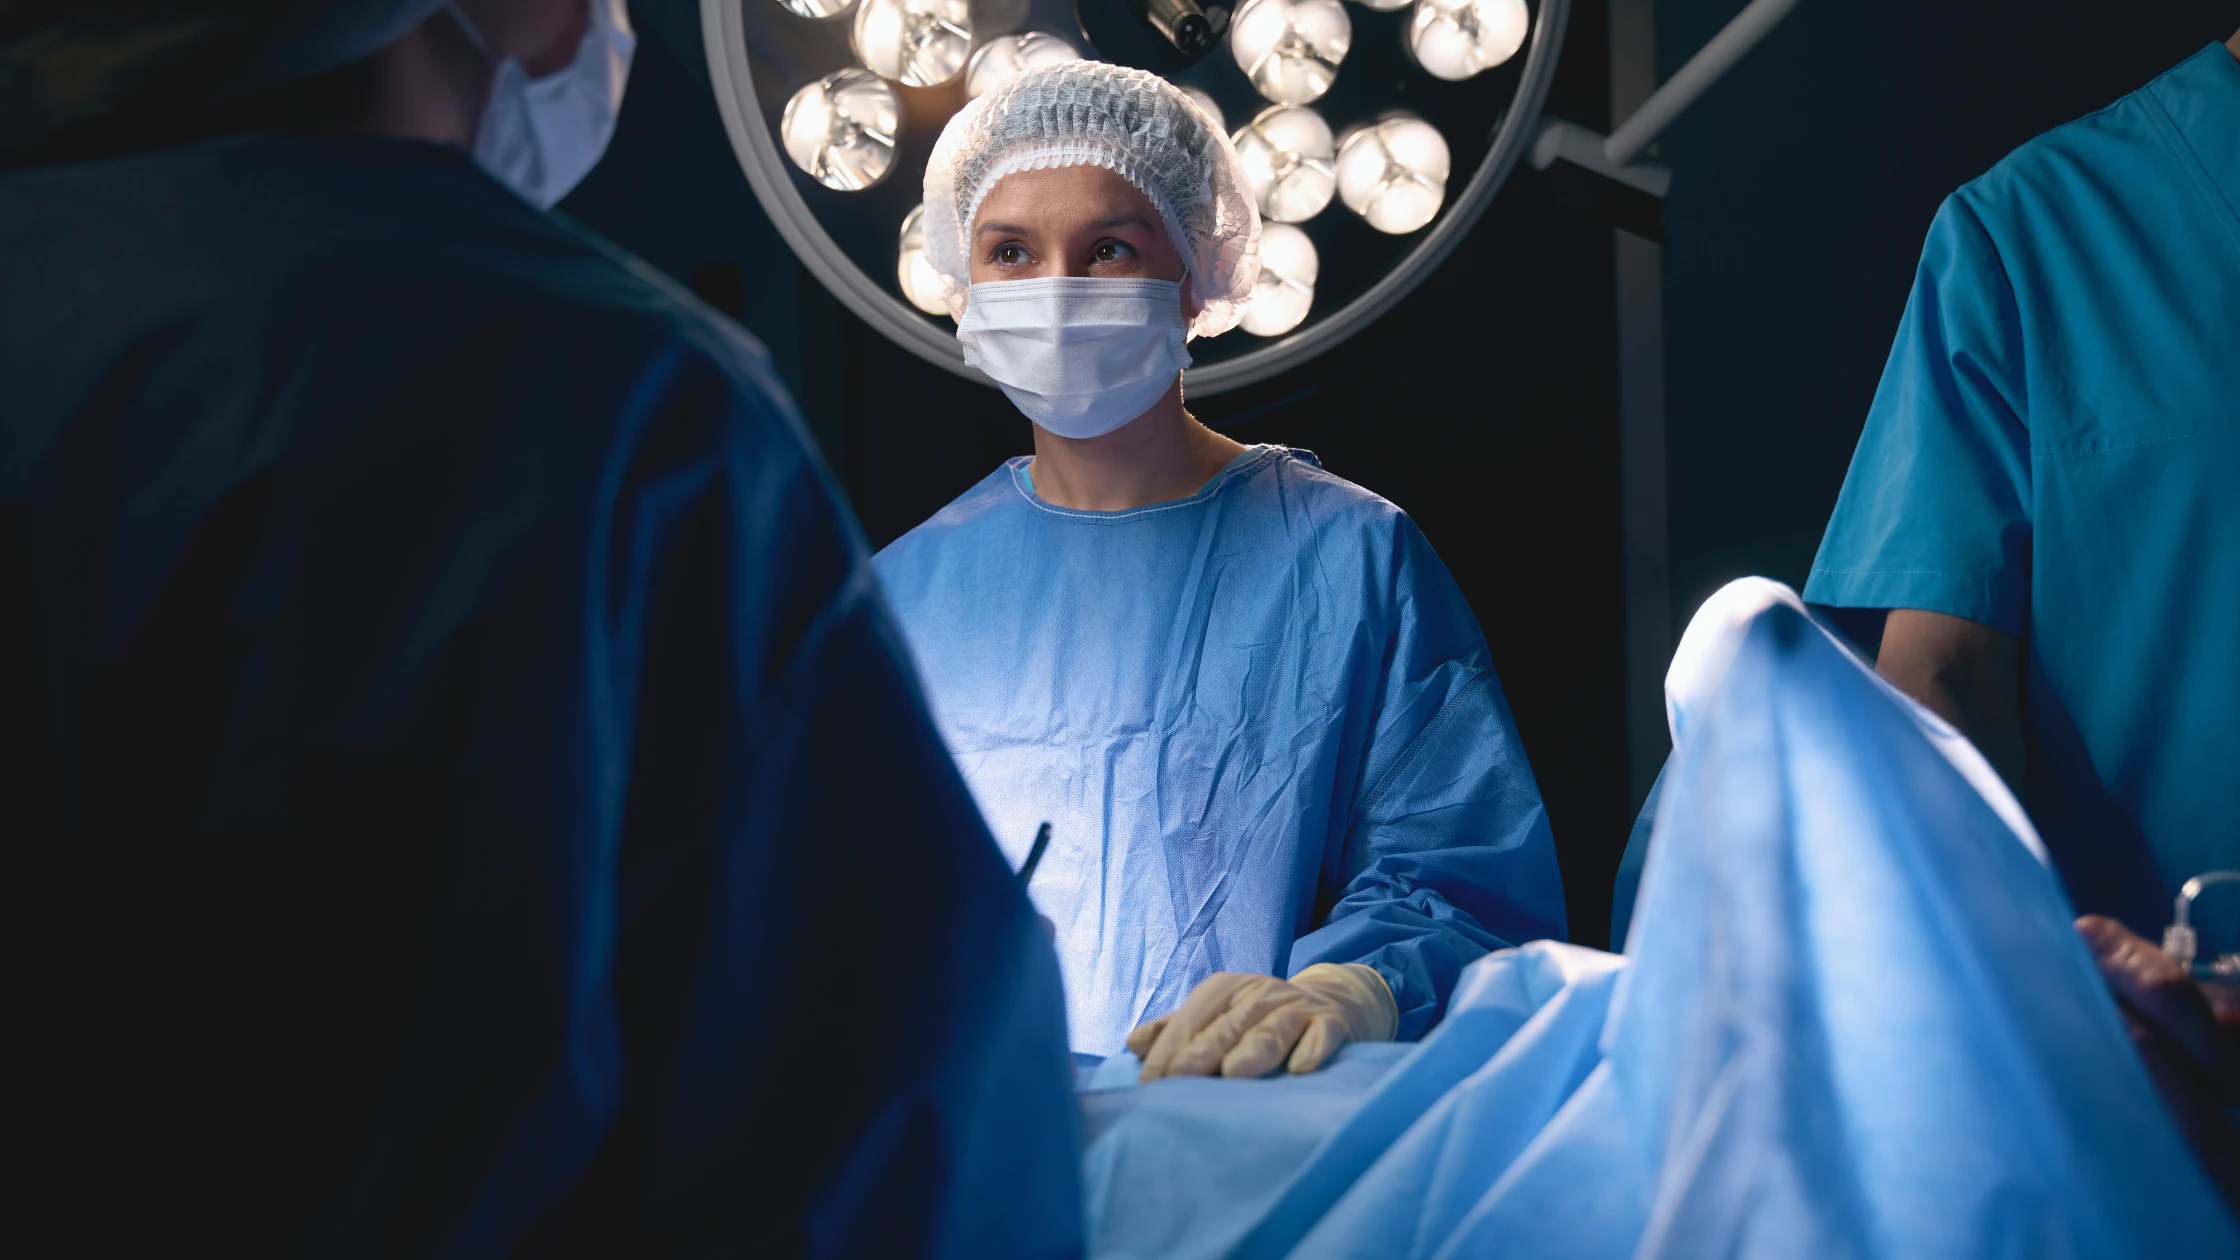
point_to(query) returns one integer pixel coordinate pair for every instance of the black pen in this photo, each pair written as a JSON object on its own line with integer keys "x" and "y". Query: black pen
{"x": 1034, "y": 855}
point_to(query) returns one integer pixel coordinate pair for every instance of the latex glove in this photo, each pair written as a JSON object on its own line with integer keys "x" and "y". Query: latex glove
{"x": 1245, "y": 1025}
{"x": 2187, "y": 1034}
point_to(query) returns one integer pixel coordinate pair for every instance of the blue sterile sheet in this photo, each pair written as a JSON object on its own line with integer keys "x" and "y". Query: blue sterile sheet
{"x": 1853, "y": 1019}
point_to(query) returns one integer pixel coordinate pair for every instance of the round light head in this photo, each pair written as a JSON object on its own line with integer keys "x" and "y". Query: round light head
{"x": 1208, "y": 106}
{"x": 1393, "y": 172}
{"x": 1009, "y": 55}
{"x": 1290, "y": 49}
{"x": 917, "y": 43}
{"x": 921, "y": 284}
{"x": 1288, "y": 153}
{"x": 1284, "y": 292}
{"x": 841, "y": 129}
{"x": 1455, "y": 39}
{"x": 817, "y": 8}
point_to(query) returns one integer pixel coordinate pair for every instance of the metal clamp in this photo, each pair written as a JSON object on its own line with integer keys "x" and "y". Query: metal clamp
{"x": 1615, "y": 156}
{"x": 2179, "y": 940}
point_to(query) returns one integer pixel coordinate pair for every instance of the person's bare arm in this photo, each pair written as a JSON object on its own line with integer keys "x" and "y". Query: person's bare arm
{"x": 1966, "y": 673}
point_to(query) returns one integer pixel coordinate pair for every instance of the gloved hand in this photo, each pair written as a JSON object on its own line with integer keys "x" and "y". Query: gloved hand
{"x": 1244, "y": 1025}
{"x": 2187, "y": 1034}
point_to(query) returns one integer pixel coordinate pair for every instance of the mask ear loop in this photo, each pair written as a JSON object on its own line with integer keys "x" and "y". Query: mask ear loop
{"x": 473, "y": 33}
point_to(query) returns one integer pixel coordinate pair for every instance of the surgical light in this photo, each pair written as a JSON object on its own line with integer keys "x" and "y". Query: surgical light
{"x": 917, "y": 43}
{"x": 832, "y": 107}
{"x": 920, "y": 283}
{"x": 1457, "y": 39}
{"x": 841, "y": 129}
{"x": 1290, "y": 49}
{"x": 1288, "y": 151}
{"x": 1393, "y": 172}
{"x": 1009, "y": 55}
{"x": 1284, "y": 293}
{"x": 1208, "y": 106}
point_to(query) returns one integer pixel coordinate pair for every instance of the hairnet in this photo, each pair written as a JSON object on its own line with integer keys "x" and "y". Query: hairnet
{"x": 1131, "y": 122}
{"x": 64, "y": 62}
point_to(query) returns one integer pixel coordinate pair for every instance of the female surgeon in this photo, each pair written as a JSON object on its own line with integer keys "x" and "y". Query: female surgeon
{"x": 1248, "y": 698}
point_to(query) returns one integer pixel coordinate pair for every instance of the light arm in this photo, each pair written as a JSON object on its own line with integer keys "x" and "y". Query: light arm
{"x": 1966, "y": 672}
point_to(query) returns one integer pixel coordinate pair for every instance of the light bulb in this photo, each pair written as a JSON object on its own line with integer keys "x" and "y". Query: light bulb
{"x": 913, "y": 270}
{"x": 841, "y": 129}
{"x": 917, "y": 43}
{"x": 1287, "y": 153}
{"x": 1284, "y": 291}
{"x": 1208, "y": 106}
{"x": 1011, "y": 55}
{"x": 1290, "y": 49}
{"x": 1455, "y": 39}
{"x": 1381, "y": 6}
{"x": 1394, "y": 172}
{"x": 817, "y": 8}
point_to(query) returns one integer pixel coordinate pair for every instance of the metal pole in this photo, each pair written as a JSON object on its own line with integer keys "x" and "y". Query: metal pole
{"x": 1704, "y": 69}
{"x": 1641, "y": 430}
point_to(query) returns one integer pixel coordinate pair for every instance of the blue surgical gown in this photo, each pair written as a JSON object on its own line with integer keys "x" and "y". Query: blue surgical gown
{"x": 1262, "y": 724}
{"x": 463, "y": 792}
{"x": 2055, "y": 452}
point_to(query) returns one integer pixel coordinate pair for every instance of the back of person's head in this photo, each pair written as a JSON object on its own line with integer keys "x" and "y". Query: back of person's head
{"x": 93, "y": 78}
{"x": 97, "y": 74}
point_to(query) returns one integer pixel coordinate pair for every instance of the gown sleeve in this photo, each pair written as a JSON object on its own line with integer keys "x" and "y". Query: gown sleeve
{"x": 1934, "y": 513}
{"x": 802, "y": 1006}
{"x": 1447, "y": 854}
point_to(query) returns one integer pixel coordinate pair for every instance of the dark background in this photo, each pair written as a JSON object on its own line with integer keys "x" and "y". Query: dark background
{"x": 1486, "y": 404}
{"x": 1803, "y": 186}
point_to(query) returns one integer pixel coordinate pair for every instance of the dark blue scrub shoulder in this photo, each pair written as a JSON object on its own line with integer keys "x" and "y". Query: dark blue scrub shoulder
{"x": 471, "y": 797}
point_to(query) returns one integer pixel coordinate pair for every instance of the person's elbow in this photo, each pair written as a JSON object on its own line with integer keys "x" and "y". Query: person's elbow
{"x": 1965, "y": 672}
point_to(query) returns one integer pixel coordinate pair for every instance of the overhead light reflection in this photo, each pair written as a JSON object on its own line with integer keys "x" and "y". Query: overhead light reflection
{"x": 841, "y": 129}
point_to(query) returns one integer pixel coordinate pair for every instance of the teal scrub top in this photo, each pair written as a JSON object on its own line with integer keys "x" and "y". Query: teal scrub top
{"x": 2054, "y": 450}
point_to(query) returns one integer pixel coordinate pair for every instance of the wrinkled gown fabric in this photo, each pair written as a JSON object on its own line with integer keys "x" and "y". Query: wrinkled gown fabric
{"x": 1853, "y": 1019}
{"x": 1262, "y": 724}
{"x": 2054, "y": 451}
{"x": 450, "y": 727}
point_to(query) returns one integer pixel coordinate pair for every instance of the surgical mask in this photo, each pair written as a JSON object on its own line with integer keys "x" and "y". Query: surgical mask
{"x": 540, "y": 137}
{"x": 1080, "y": 355}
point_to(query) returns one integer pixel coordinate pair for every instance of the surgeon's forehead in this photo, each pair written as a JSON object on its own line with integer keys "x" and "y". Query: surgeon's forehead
{"x": 1064, "y": 198}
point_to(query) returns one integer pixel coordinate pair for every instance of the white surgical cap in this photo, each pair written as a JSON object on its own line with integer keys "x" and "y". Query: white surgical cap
{"x": 1131, "y": 122}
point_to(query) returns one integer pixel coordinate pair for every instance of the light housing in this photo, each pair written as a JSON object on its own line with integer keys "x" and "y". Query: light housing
{"x": 1290, "y": 49}
{"x": 913, "y": 271}
{"x": 841, "y": 129}
{"x": 1008, "y": 55}
{"x": 1461, "y": 39}
{"x": 1284, "y": 293}
{"x": 1288, "y": 152}
{"x": 917, "y": 43}
{"x": 1393, "y": 172}
{"x": 847, "y": 233}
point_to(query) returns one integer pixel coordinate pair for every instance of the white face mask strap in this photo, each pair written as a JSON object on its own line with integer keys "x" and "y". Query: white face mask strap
{"x": 471, "y": 31}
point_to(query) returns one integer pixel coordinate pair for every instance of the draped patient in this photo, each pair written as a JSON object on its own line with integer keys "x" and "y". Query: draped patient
{"x": 1288, "y": 803}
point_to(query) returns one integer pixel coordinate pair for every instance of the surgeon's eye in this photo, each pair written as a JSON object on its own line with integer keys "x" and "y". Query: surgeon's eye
{"x": 1110, "y": 251}
{"x": 1010, "y": 254}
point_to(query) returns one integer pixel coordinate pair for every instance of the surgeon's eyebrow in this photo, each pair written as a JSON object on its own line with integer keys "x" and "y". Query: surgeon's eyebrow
{"x": 1120, "y": 220}
{"x": 1008, "y": 229}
